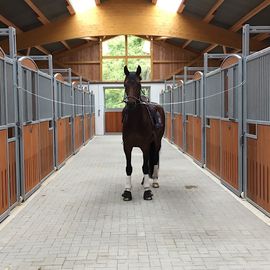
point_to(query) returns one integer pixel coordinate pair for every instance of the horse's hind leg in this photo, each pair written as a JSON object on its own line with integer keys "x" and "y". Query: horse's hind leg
{"x": 146, "y": 183}
{"x": 127, "y": 192}
{"x": 155, "y": 169}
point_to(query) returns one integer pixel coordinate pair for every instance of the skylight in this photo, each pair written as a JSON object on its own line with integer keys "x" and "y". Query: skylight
{"x": 169, "y": 5}
{"x": 82, "y": 5}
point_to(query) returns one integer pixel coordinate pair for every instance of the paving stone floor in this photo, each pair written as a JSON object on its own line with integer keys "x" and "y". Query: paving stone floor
{"x": 79, "y": 221}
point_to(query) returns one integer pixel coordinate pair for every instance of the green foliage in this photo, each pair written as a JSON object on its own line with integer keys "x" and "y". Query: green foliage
{"x": 114, "y": 98}
{"x": 113, "y": 69}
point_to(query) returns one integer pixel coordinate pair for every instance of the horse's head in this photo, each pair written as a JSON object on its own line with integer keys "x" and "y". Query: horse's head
{"x": 132, "y": 85}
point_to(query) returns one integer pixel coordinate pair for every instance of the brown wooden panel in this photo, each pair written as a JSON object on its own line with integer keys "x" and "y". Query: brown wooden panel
{"x": 229, "y": 153}
{"x": 113, "y": 121}
{"x": 68, "y": 137}
{"x": 178, "y": 130}
{"x": 168, "y": 125}
{"x": 31, "y": 160}
{"x": 258, "y": 167}
{"x": 46, "y": 149}
{"x": 87, "y": 123}
{"x": 3, "y": 172}
{"x": 93, "y": 125}
{"x": 213, "y": 146}
{"x": 12, "y": 172}
{"x": 197, "y": 133}
{"x": 78, "y": 131}
{"x": 189, "y": 135}
{"x": 61, "y": 140}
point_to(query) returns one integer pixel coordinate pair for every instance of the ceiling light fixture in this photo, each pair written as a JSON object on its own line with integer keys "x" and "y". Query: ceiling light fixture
{"x": 169, "y": 5}
{"x": 81, "y": 6}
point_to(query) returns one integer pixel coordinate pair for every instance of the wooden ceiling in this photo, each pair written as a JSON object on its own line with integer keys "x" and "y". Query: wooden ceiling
{"x": 191, "y": 28}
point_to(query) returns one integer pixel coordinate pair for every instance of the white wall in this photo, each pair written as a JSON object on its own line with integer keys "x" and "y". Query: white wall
{"x": 98, "y": 90}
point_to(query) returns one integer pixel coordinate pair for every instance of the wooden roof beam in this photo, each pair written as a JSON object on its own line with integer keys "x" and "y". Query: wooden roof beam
{"x": 249, "y": 15}
{"x": 42, "y": 18}
{"x": 238, "y": 25}
{"x": 182, "y": 6}
{"x": 70, "y": 8}
{"x": 209, "y": 16}
{"x": 98, "y": 2}
{"x": 18, "y": 30}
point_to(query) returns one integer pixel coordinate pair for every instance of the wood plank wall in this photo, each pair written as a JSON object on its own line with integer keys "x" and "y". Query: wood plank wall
{"x": 113, "y": 122}
{"x": 86, "y": 60}
{"x": 258, "y": 169}
{"x": 12, "y": 172}
{"x": 3, "y": 172}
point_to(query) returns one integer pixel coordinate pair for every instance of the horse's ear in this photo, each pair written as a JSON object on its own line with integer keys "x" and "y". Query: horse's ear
{"x": 126, "y": 71}
{"x": 139, "y": 70}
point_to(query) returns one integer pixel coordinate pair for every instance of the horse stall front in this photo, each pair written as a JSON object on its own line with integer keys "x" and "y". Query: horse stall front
{"x": 63, "y": 95}
{"x": 78, "y": 115}
{"x": 93, "y": 126}
{"x": 87, "y": 114}
{"x": 36, "y": 123}
{"x": 257, "y": 129}
{"x": 9, "y": 154}
{"x": 223, "y": 113}
{"x": 168, "y": 113}
{"x": 193, "y": 116}
{"x": 177, "y": 112}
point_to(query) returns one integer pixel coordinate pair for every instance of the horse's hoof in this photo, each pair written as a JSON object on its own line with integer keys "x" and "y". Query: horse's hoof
{"x": 155, "y": 185}
{"x": 127, "y": 196}
{"x": 142, "y": 181}
{"x": 147, "y": 195}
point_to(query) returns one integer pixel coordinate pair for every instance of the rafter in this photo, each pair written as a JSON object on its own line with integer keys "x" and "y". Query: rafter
{"x": 152, "y": 22}
{"x": 208, "y": 18}
{"x": 70, "y": 8}
{"x": 182, "y": 6}
{"x": 239, "y": 24}
{"x": 19, "y": 31}
{"x": 98, "y": 2}
{"x": 42, "y": 18}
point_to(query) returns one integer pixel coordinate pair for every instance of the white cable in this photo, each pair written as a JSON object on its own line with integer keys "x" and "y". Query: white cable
{"x": 202, "y": 98}
{"x": 48, "y": 99}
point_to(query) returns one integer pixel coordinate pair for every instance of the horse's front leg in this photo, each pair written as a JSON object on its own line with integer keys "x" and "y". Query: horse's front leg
{"x": 127, "y": 196}
{"x": 146, "y": 183}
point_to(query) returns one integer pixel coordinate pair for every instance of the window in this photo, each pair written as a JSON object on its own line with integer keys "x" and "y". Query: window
{"x": 125, "y": 50}
{"x": 114, "y": 97}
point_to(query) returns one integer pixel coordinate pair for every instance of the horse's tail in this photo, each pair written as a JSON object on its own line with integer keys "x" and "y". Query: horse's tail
{"x": 153, "y": 158}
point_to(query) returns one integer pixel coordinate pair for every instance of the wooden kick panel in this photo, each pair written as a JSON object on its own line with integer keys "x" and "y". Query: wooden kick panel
{"x": 258, "y": 167}
{"x": 3, "y": 172}
{"x": 197, "y": 134}
{"x": 213, "y": 146}
{"x": 168, "y": 125}
{"x": 46, "y": 149}
{"x": 178, "y": 130}
{"x": 93, "y": 125}
{"x": 113, "y": 122}
{"x": 78, "y": 131}
{"x": 87, "y": 123}
{"x": 189, "y": 135}
{"x": 229, "y": 153}
{"x": 31, "y": 143}
{"x": 61, "y": 140}
{"x": 12, "y": 172}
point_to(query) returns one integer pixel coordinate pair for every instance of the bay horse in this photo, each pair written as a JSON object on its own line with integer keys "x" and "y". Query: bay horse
{"x": 143, "y": 127}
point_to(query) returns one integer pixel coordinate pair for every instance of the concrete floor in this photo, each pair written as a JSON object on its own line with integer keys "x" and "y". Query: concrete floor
{"x": 77, "y": 220}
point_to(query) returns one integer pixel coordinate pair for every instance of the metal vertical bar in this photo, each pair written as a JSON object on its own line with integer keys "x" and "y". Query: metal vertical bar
{"x": 245, "y": 40}
{"x": 184, "y": 109}
{"x": 240, "y": 126}
{"x": 172, "y": 111}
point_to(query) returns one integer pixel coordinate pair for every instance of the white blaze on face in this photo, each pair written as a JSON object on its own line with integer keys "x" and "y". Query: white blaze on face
{"x": 128, "y": 183}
